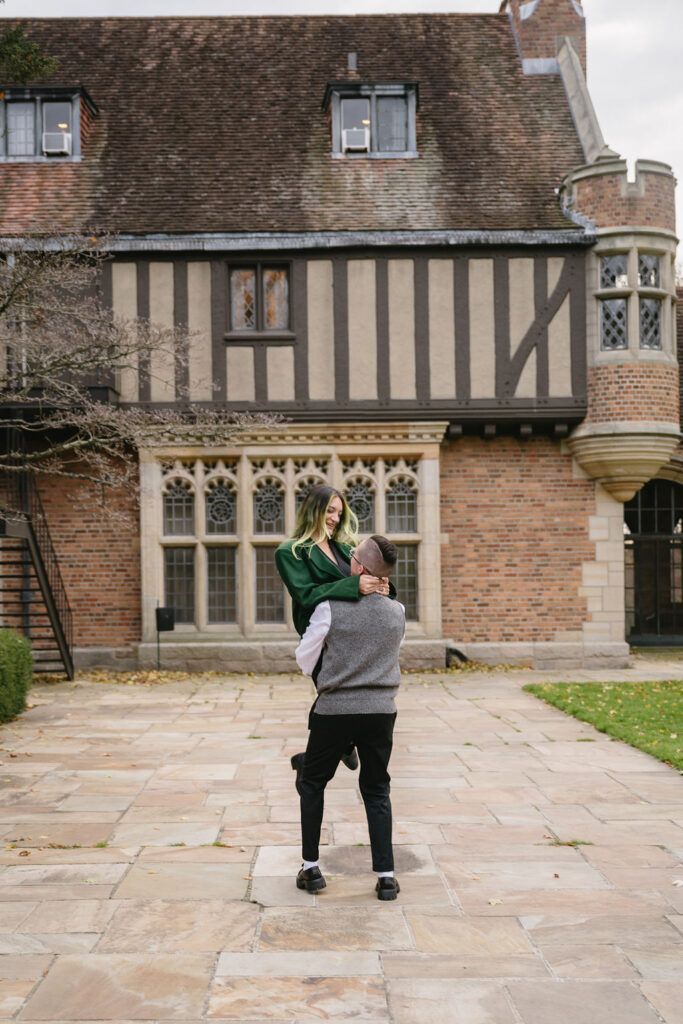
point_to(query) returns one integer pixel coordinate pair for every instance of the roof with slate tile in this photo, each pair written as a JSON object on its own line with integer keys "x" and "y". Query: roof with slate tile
{"x": 217, "y": 125}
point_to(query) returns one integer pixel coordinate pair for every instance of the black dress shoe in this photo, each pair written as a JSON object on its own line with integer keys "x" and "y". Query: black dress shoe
{"x": 350, "y": 759}
{"x": 310, "y": 879}
{"x": 387, "y": 888}
{"x": 297, "y": 763}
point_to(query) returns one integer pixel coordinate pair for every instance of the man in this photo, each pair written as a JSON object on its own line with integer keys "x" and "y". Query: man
{"x": 357, "y": 680}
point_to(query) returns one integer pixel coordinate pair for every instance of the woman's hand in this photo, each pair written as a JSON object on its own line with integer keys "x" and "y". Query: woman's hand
{"x": 373, "y": 584}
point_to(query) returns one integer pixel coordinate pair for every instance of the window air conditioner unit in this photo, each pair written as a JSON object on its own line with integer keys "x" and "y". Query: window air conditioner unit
{"x": 357, "y": 139}
{"x": 57, "y": 143}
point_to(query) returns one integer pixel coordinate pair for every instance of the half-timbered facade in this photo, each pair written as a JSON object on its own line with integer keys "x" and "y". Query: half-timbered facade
{"x": 404, "y": 235}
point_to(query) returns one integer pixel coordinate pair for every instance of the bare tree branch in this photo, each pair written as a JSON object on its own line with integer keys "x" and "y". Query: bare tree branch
{"x": 62, "y": 349}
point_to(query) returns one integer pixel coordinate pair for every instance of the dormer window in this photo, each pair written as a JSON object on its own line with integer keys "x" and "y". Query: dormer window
{"x": 42, "y": 124}
{"x": 372, "y": 120}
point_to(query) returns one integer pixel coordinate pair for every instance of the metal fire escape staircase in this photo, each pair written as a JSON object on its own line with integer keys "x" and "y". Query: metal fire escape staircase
{"x": 33, "y": 598}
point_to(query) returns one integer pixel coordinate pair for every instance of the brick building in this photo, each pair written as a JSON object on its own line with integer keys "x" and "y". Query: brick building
{"x": 405, "y": 234}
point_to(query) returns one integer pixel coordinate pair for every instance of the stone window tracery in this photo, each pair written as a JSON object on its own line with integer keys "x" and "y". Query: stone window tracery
{"x": 221, "y": 507}
{"x": 269, "y": 507}
{"x": 401, "y": 505}
{"x": 361, "y": 499}
{"x": 179, "y": 509}
{"x": 222, "y": 518}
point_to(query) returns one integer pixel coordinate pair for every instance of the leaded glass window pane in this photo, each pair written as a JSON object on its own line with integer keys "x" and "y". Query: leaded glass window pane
{"x": 405, "y": 579}
{"x": 221, "y": 509}
{"x": 613, "y": 329}
{"x": 243, "y": 299}
{"x": 361, "y": 500}
{"x": 650, "y": 323}
{"x": 179, "y": 582}
{"x": 270, "y": 591}
{"x": 21, "y": 129}
{"x": 269, "y": 509}
{"x": 614, "y": 271}
{"x": 221, "y": 570}
{"x": 392, "y": 124}
{"x": 275, "y": 300}
{"x": 178, "y": 510}
{"x": 648, "y": 270}
{"x": 401, "y": 506}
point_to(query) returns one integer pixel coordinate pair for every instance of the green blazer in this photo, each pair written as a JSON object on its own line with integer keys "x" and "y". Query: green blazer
{"x": 311, "y": 578}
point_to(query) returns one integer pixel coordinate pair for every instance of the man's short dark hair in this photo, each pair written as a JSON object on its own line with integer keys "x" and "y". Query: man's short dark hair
{"x": 387, "y": 549}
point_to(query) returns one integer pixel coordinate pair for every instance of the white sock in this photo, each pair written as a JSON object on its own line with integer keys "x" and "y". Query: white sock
{"x": 306, "y": 864}
{"x": 385, "y": 874}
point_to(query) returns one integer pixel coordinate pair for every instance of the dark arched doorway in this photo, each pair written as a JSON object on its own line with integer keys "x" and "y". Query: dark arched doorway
{"x": 653, "y": 559}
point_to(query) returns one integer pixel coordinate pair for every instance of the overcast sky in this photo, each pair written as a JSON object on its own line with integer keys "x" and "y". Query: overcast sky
{"x": 634, "y": 62}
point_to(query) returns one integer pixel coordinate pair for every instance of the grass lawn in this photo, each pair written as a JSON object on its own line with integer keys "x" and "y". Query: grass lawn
{"x": 649, "y": 716}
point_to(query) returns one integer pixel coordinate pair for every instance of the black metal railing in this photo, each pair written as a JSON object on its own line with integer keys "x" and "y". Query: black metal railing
{"x": 22, "y": 516}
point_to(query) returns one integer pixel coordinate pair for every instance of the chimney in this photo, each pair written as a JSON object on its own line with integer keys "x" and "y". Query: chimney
{"x": 540, "y": 26}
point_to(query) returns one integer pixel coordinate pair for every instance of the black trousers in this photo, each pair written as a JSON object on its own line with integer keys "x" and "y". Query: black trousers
{"x": 329, "y": 738}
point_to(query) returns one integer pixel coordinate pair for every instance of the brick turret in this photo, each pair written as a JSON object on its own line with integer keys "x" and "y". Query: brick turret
{"x": 632, "y": 427}
{"x": 540, "y": 27}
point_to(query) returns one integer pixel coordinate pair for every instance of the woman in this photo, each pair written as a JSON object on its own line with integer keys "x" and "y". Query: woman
{"x": 315, "y": 566}
{"x": 315, "y": 562}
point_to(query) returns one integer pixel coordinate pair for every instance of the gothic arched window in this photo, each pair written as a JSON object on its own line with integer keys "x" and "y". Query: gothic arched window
{"x": 401, "y": 506}
{"x": 361, "y": 499}
{"x": 269, "y": 508}
{"x": 221, "y": 509}
{"x": 179, "y": 509}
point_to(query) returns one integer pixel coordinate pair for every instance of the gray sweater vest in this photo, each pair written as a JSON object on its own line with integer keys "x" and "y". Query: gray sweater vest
{"x": 360, "y": 673}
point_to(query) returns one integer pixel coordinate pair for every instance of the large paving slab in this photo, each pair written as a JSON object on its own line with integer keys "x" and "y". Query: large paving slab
{"x": 149, "y": 840}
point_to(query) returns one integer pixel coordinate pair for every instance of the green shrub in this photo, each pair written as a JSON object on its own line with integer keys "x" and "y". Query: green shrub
{"x": 16, "y": 673}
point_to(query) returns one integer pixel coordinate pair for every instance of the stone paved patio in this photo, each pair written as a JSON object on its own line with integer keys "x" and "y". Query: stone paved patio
{"x": 115, "y": 904}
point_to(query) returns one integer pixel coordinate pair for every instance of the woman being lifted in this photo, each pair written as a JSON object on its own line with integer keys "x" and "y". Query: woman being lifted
{"x": 315, "y": 563}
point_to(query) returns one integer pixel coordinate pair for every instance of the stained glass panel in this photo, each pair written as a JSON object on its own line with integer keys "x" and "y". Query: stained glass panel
{"x": 275, "y": 300}
{"x": 243, "y": 299}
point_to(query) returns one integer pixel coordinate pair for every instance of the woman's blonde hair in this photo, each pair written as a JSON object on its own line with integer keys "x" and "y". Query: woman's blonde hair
{"x": 310, "y": 526}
